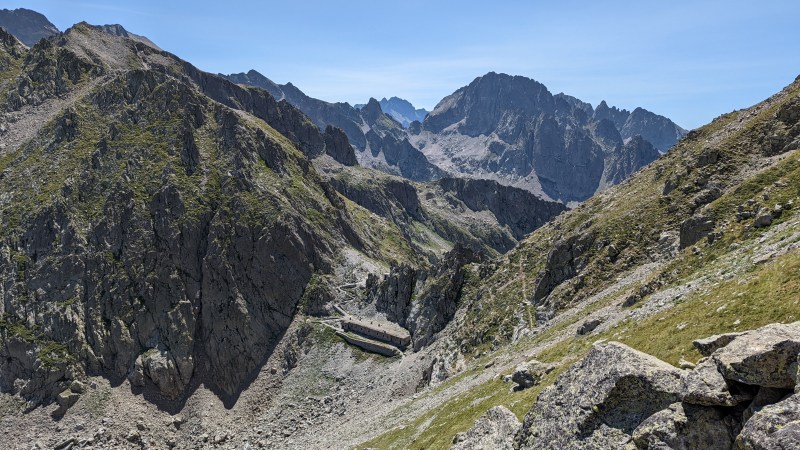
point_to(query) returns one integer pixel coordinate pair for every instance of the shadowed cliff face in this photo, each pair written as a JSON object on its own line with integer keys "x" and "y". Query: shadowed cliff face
{"x": 515, "y": 208}
{"x": 151, "y": 217}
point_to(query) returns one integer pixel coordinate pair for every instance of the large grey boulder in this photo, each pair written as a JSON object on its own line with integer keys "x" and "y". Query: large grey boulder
{"x": 166, "y": 372}
{"x": 65, "y": 400}
{"x": 494, "y": 430}
{"x": 705, "y": 386}
{"x": 775, "y": 426}
{"x": 695, "y": 228}
{"x": 601, "y": 400}
{"x": 685, "y": 427}
{"x": 765, "y": 396}
{"x": 764, "y": 357}
{"x": 709, "y": 345}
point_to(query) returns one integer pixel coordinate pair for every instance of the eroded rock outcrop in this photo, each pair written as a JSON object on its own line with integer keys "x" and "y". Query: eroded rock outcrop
{"x": 166, "y": 228}
{"x": 338, "y": 147}
{"x": 564, "y": 261}
{"x": 494, "y": 430}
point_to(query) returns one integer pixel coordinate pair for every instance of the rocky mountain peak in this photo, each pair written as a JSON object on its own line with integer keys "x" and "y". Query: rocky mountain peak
{"x": 119, "y": 30}
{"x": 255, "y": 78}
{"x": 28, "y": 26}
{"x": 372, "y": 110}
{"x": 484, "y": 102}
{"x": 657, "y": 129}
{"x": 614, "y": 114}
{"x": 10, "y": 43}
{"x": 511, "y": 128}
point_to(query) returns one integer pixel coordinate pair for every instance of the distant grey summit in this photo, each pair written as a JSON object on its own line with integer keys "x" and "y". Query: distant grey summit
{"x": 401, "y": 110}
{"x": 28, "y": 26}
{"x": 513, "y": 130}
{"x": 658, "y": 130}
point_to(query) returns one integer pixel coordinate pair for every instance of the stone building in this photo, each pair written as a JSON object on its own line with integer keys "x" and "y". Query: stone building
{"x": 379, "y": 330}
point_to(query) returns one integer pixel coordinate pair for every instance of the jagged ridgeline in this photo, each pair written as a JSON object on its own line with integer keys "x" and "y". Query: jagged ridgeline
{"x": 151, "y": 215}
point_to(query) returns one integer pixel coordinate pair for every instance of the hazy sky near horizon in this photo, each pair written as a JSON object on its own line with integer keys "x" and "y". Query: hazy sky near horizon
{"x": 688, "y": 60}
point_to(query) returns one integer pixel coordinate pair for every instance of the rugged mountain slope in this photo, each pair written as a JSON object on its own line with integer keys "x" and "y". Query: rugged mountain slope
{"x": 380, "y": 140}
{"x": 153, "y": 216}
{"x": 175, "y": 247}
{"x": 481, "y": 215}
{"x": 401, "y": 110}
{"x": 165, "y": 229}
{"x": 146, "y": 226}
{"x": 513, "y": 130}
{"x": 705, "y": 240}
{"x": 28, "y": 26}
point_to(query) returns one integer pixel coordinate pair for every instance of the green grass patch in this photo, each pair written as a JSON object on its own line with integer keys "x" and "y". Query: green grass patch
{"x": 437, "y": 427}
{"x": 768, "y": 294}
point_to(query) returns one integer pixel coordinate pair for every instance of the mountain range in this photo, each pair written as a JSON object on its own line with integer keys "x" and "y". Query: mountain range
{"x": 191, "y": 260}
{"x": 503, "y": 128}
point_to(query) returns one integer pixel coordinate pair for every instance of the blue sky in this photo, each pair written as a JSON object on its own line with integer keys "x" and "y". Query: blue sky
{"x": 688, "y": 60}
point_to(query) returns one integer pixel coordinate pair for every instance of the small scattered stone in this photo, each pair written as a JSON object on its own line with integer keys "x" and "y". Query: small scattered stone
{"x": 178, "y": 420}
{"x": 529, "y": 374}
{"x": 684, "y": 364}
{"x": 65, "y": 445}
{"x": 589, "y": 326}
{"x": 133, "y": 436}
